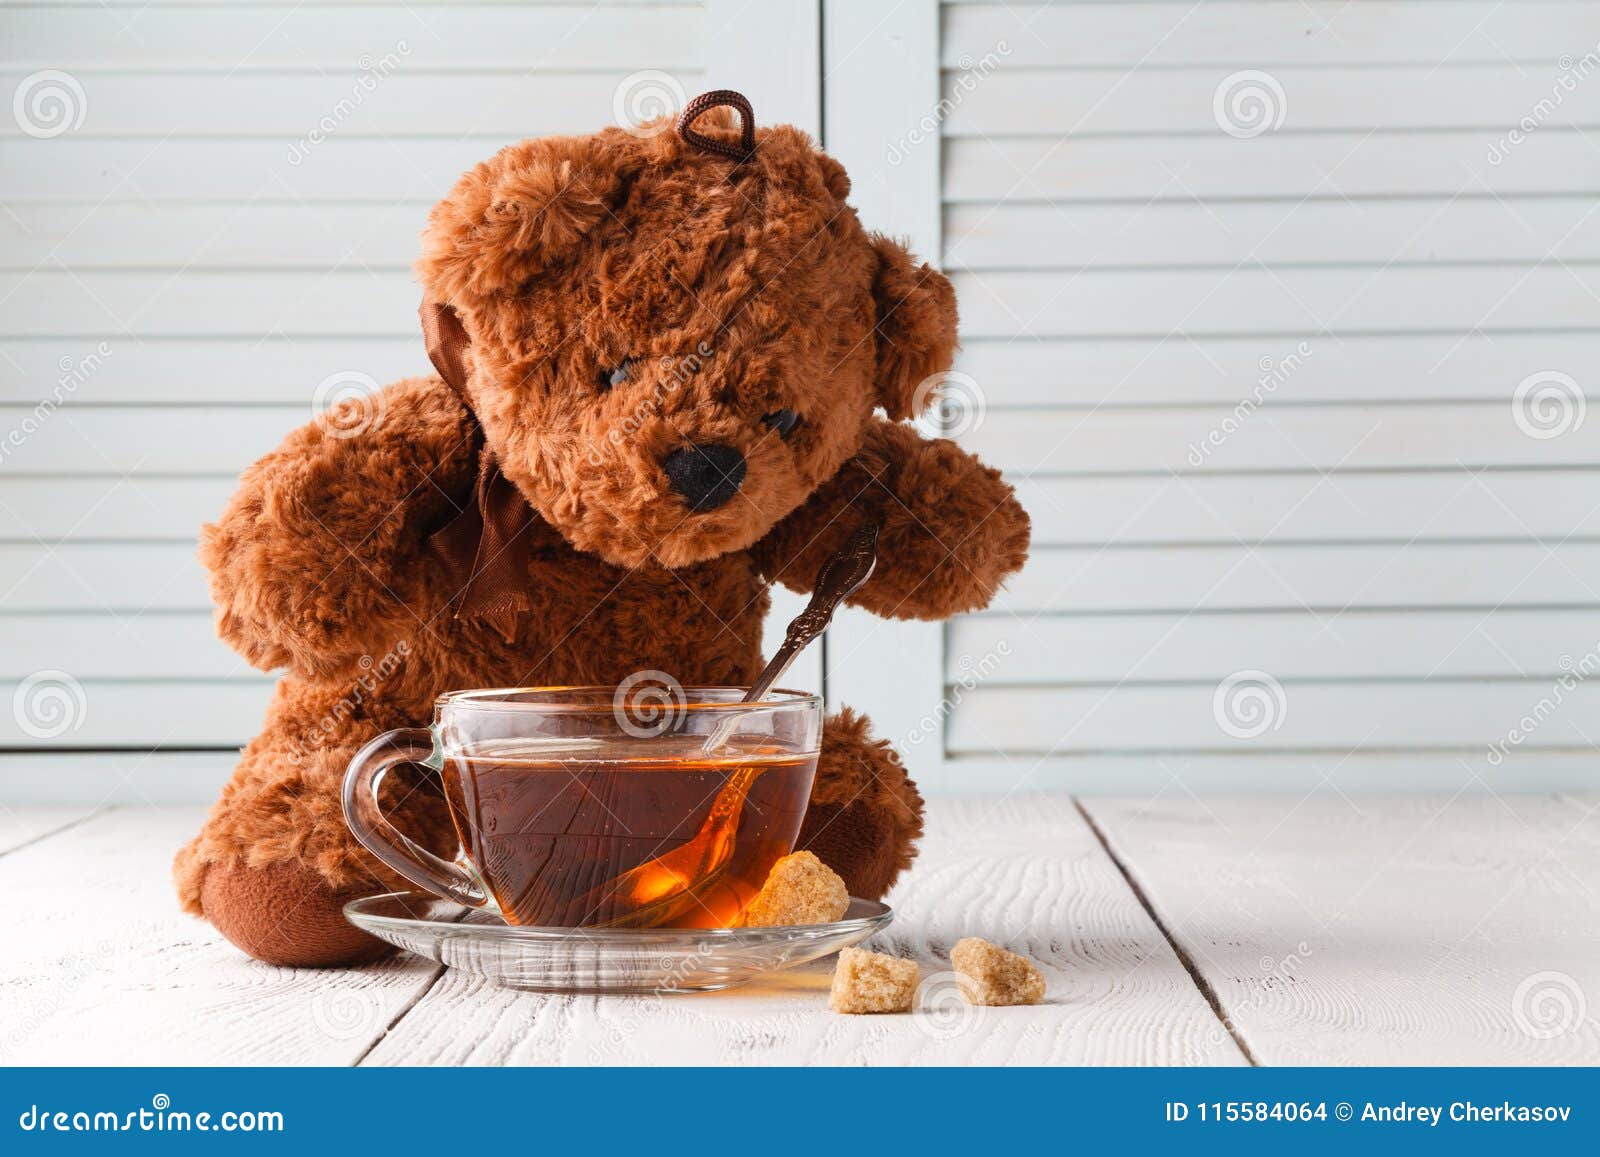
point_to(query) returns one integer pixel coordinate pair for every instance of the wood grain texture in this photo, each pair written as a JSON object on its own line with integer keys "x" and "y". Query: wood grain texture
{"x": 1393, "y": 930}
{"x": 1024, "y": 871}
{"x": 102, "y": 968}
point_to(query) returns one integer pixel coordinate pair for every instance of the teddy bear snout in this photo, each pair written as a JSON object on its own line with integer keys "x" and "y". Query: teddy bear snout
{"x": 706, "y": 475}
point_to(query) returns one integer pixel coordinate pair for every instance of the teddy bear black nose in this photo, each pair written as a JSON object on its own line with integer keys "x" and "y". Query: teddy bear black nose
{"x": 706, "y": 476}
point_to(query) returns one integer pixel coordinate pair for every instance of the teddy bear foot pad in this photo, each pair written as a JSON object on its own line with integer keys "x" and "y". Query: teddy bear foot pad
{"x": 646, "y": 960}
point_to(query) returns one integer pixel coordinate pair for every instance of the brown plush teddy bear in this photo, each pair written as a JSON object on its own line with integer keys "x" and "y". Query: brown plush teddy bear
{"x": 660, "y": 359}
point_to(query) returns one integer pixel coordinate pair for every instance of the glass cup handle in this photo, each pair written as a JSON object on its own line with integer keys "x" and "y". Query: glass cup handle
{"x": 369, "y": 825}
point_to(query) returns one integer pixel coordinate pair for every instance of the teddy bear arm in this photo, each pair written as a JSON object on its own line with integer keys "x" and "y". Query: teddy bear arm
{"x": 310, "y": 559}
{"x": 951, "y": 527}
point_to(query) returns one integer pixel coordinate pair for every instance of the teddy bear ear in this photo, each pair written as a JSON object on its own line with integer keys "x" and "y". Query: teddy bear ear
{"x": 515, "y": 216}
{"x": 916, "y": 327}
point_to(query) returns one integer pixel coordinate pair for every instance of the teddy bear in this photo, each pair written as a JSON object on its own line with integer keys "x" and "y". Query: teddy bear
{"x": 674, "y": 369}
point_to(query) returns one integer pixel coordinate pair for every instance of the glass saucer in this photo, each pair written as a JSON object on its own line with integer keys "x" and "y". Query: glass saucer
{"x": 644, "y": 960}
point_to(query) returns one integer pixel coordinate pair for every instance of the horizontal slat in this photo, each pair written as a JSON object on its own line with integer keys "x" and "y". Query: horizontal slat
{"x": 1044, "y": 103}
{"x": 338, "y": 37}
{"x": 1355, "y": 645}
{"x": 1260, "y": 301}
{"x": 207, "y": 371}
{"x": 214, "y": 713}
{"x": 414, "y": 170}
{"x": 130, "y": 645}
{"x": 102, "y": 577}
{"x": 1347, "y": 368}
{"x": 1032, "y": 236}
{"x": 395, "y": 103}
{"x": 92, "y": 305}
{"x": 167, "y": 236}
{"x": 102, "y": 779}
{"x": 109, "y": 509}
{"x": 1312, "y": 507}
{"x": 158, "y": 440}
{"x": 1327, "y": 165}
{"x": 1257, "y": 35}
{"x": 1187, "y": 578}
{"x": 1288, "y": 438}
{"x": 1465, "y": 716}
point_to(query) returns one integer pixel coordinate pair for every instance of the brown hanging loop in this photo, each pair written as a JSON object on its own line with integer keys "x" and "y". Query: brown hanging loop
{"x": 720, "y": 98}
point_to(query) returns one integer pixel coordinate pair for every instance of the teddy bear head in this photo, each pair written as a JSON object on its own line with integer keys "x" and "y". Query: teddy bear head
{"x": 674, "y": 337}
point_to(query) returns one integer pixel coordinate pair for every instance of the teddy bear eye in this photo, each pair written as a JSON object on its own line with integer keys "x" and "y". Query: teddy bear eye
{"x": 615, "y": 377}
{"x": 783, "y": 421}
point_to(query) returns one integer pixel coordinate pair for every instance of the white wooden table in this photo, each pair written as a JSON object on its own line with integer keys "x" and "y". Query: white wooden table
{"x": 1174, "y": 930}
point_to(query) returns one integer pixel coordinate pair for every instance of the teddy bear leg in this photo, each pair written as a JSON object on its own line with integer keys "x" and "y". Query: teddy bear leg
{"x": 866, "y": 814}
{"x": 274, "y": 864}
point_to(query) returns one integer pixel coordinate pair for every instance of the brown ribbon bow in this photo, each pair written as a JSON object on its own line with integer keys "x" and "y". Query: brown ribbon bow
{"x": 488, "y": 546}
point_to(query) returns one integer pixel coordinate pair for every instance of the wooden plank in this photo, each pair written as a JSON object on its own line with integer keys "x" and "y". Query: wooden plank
{"x": 1022, "y": 870}
{"x": 23, "y": 825}
{"x": 1258, "y": 35}
{"x": 1483, "y": 905}
{"x": 1397, "y": 299}
{"x": 1180, "y": 100}
{"x": 120, "y": 976}
{"x": 110, "y": 509}
{"x": 1509, "y": 504}
{"x": 131, "y": 577}
{"x": 336, "y": 37}
{"x": 58, "y": 711}
{"x": 201, "y": 303}
{"x": 136, "y": 645}
{"x": 1292, "y": 577}
{"x": 1465, "y": 717}
{"x": 37, "y": 782}
{"x": 1296, "y": 438}
{"x": 1343, "y": 368}
{"x": 162, "y": 235}
{"x": 1354, "y": 645}
{"x": 151, "y": 440}
{"x": 385, "y": 100}
{"x": 394, "y": 170}
{"x": 1328, "y": 165}
{"x": 214, "y": 372}
{"x": 1421, "y": 231}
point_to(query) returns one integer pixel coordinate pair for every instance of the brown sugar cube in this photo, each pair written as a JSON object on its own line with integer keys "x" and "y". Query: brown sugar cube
{"x": 800, "y": 889}
{"x": 991, "y": 975}
{"x": 872, "y": 982}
